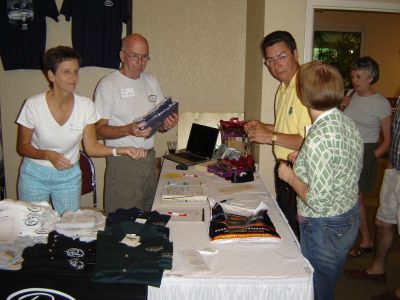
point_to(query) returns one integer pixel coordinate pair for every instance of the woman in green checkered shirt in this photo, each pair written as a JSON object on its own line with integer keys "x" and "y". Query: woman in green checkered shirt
{"x": 325, "y": 177}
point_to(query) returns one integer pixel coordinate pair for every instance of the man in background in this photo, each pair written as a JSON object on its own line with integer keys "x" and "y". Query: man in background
{"x": 287, "y": 133}
{"x": 120, "y": 98}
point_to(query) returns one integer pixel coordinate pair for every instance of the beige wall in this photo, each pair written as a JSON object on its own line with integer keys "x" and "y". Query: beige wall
{"x": 197, "y": 50}
{"x": 382, "y": 42}
{"x": 254, "y": 66}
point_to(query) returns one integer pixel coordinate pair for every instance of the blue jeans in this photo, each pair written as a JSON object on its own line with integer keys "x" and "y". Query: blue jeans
{"x": 325, "y": 242}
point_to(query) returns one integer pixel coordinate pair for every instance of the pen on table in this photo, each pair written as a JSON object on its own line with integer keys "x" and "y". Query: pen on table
{"x": 190, "y": 175}
{"x": 178, "y": 197}
{"x": 171, "y": 213}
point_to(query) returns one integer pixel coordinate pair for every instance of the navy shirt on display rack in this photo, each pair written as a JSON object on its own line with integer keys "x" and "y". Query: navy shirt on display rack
{"x": 23, "y": 32}
{"x": 97, "y": 29}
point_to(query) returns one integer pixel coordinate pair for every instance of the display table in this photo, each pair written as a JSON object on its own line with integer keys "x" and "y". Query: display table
{"x": 235, "y": 271}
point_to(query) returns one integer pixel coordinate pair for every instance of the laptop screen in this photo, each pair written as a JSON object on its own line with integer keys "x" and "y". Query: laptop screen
{"x": 202, "y": 140}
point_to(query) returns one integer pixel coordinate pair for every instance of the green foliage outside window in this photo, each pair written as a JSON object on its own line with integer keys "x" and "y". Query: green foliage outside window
{"x": 338, "y": 49}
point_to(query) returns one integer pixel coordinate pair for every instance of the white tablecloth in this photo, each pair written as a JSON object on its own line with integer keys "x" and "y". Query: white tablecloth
{"x": 235, "y": 271}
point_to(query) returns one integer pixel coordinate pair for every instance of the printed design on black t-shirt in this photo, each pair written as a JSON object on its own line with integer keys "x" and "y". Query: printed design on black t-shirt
{"x": 20, "y": 13}
{"x": 108, "y": 3}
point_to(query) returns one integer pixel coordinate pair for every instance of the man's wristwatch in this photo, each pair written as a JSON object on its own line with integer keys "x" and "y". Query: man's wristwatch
{"x": 274, "y": 137}
{"x": 114, "y": 152}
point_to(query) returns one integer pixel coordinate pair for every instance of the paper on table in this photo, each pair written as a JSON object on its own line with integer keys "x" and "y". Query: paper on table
{"x": 184, "y": 193}
{"x": 236, "y": 188}
{"x": 185, "y": 215}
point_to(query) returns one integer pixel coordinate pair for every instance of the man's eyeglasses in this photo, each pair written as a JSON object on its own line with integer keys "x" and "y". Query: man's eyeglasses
{"x": 136, "y": 57}
{"x": 281, "y": 58}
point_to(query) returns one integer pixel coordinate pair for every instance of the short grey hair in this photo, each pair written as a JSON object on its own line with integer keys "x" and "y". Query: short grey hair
{"x": 367, "y": 63}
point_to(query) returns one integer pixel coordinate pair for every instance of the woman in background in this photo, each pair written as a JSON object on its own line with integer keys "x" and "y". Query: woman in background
{"x": 372, "y": 114}
{"x": 325, "y": 177}
{"x": 51, "y": 126}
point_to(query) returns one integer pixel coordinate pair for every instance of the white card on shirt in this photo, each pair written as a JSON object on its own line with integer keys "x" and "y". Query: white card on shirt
{"x": 128, "y": 92}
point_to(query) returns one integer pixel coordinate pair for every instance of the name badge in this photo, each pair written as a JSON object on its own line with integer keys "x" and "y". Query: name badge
{"x": 128, "y": 92}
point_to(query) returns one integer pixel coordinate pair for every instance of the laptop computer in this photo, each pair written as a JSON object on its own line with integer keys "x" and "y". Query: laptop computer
{"x": 200, "y": 146}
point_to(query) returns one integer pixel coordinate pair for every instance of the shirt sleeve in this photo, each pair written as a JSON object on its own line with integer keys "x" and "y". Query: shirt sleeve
{"x": 386, "y": 109}
{"x": 103, "y": 100}
{"x": 66, "y": 9}
{"x": 27, "y": 115}
{"x": 92, "y": 114}
{"x": 125, "y": 12}
{"x": 52, "y": 10}
{"x": 303, "y": 117}
{"x": 320, "y": 175}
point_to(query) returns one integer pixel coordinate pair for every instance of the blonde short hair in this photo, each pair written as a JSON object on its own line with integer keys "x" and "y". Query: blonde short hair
{"x": 319, "y": 85}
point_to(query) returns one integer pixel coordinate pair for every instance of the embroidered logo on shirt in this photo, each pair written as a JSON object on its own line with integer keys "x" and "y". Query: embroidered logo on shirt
{"x": 167, "y": 255}
{"x": 154, "y": 249}
{"x": 34, "y": 208}
{"x": 290, "y": 110}
{"x": 75, "y": 252}
{"x": 77, "y": 264}
{"x": 32, "y": 220}
{"x": 75, "y": 128}
{"x": 108, "y": 3}
{"x": 152, "y": 98}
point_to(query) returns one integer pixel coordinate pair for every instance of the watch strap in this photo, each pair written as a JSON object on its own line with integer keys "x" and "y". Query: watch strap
{"x": 114, "y": 152}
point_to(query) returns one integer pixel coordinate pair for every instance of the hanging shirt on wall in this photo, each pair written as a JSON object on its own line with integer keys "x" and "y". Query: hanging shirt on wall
{"x": 23, "y": 32}
{"x": 97, "y": 29}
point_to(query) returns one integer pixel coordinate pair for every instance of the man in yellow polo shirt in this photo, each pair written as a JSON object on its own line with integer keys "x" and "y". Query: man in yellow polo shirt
{"x": 286, "y": 135}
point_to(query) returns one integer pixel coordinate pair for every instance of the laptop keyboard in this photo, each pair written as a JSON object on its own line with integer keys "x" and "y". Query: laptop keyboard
{"x": 189, "y": 156}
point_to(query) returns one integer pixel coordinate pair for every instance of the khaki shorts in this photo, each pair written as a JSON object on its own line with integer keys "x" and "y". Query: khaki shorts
{"x": 389, "y": 207}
